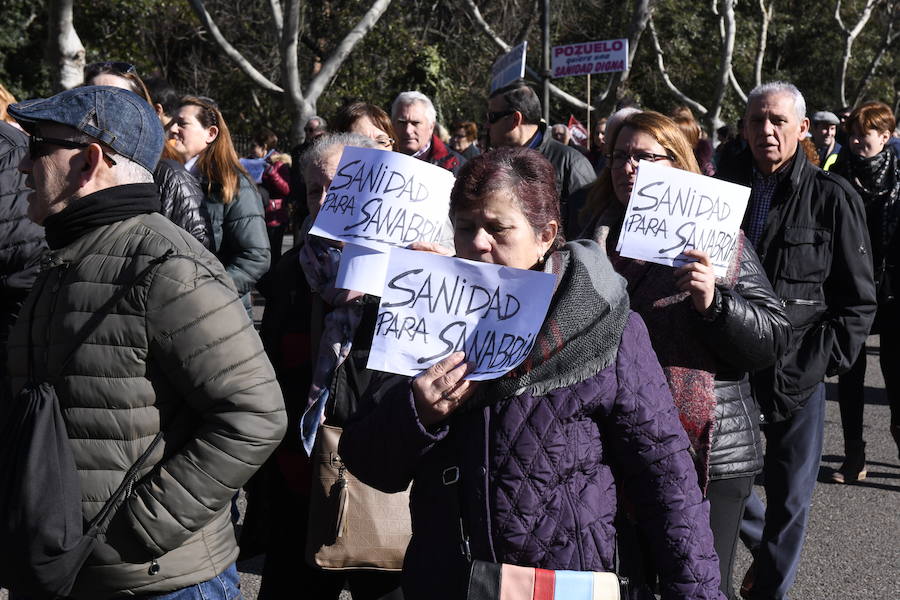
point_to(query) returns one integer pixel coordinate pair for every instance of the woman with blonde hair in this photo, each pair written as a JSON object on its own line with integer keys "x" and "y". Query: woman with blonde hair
{"x": 202, "y": 138}
{"x": 707, "y": 332}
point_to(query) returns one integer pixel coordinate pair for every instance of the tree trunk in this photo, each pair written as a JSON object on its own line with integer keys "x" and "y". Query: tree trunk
{"x": 65, "y": 51}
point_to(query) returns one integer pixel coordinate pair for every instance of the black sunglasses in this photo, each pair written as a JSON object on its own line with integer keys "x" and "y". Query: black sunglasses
{"x": 109, "y": 66}
{"x": 493, "y": 117}
{"x": 37, "y": 147}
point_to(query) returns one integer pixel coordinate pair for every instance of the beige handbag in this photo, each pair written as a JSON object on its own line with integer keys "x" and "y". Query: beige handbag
{"x": 351, "y": 525}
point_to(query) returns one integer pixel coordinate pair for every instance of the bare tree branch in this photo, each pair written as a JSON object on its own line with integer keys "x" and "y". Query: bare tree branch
{"x": 498, "y": 41}
{"x": 277, "y": 17}
{"x": 640, "y": 16}
{"x": 736, "y": 86}
{"x": 766, "y": 18}
{"x": 887, "y": 40}
{"x": 229, "y": 50}
{"x": 343, "y": 50}
{"x": 696, "y": 106}
{"x": 850, "y": 36}
{"x": 727, "y": 26}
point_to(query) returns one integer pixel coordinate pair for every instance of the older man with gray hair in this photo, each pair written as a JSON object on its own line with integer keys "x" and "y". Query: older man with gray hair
{"x": 170, "y": 363}
{"x": 810, "y": 232}
{"x": 414, "y": 118}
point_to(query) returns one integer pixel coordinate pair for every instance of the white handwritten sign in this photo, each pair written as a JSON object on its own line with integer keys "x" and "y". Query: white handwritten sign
{"x": 380, "y": 199}
{"x": 509, "y": 67}
{"x": 607, "y": 56}
{"x": 671, "y": 211}
{"x": 433, "y": 305}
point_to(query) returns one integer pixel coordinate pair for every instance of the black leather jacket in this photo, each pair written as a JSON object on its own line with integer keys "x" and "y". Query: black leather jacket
{"x": 182, "y": 200}
{"x": 815, "y": 251}
{"x": 21, "y": 241}
{"x": 749, "y": 331}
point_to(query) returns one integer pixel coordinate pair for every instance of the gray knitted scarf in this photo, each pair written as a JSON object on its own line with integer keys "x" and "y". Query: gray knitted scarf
{"x": 581, "y": 333}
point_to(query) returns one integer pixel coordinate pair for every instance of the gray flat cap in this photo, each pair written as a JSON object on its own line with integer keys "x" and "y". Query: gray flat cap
{"x": 824, "y": 116}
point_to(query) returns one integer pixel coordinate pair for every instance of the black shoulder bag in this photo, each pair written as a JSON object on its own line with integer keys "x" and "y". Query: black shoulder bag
{"x": 45, "y": 540}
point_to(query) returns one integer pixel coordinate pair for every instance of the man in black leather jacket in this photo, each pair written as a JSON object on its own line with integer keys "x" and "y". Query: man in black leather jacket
{"x": 809, "y": 229}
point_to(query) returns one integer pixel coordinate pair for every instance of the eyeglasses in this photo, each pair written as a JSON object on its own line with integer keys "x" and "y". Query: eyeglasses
{"x": 619, "y": 158}
{"x": 109, "y": 66}
{"x": 493, "y": 117}
{"x": 385, "y": 141}
{"x": 37, "y": 147}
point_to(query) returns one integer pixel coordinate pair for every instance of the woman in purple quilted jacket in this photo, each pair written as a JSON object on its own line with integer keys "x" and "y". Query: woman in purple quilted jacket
{"x": 545, "y": 452}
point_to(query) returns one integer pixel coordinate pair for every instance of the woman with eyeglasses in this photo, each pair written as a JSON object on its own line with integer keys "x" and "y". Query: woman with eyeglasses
{"x": 873, "y": 169}
{"x": 240, "y": 240}
{"x": 368, "y": 120}
{"x": 180, "y": 195}
{"x": 707, "y": 332}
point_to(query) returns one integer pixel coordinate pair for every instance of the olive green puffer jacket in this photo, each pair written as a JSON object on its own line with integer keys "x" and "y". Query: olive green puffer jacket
{"x": 177, "y": 354}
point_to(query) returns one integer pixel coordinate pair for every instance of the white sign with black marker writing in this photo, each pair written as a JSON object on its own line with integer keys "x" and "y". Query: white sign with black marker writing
{"x": 381, "y": 199}
{"x": 672, "y": 210}
{"x": 434, "y": 305}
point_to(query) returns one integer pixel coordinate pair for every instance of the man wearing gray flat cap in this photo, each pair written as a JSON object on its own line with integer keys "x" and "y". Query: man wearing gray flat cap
{"x": 171, "y": 364}
{"x": 824, "y": 130}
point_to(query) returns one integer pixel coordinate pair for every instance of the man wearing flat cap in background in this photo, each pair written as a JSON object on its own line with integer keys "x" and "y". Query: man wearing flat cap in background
{"x": 176, "y": 354}
{"x": 824, "y": 134}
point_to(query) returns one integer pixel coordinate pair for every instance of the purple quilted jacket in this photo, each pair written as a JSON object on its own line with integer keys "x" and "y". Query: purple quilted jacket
{"x": 537, "y": 477}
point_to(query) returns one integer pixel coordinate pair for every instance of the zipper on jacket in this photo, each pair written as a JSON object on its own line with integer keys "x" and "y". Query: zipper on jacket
{"x": 154, "y": 568}
{"x": 800, "y": 302}
{"x": 54, "y": 297}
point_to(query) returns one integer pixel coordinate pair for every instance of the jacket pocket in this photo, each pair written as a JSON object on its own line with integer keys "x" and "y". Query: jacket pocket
{"x": 807, "y": 255}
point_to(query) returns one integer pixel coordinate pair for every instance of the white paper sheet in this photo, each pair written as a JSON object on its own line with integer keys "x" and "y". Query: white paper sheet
{"x": 381, "y": 199}
{"x": 362, "y": 269}
{"x": 671, "y": 211}
{"x": 434, "y": 305}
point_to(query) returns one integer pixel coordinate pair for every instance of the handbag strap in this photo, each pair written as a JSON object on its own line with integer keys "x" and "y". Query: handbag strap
{"x": 450, "y": 480}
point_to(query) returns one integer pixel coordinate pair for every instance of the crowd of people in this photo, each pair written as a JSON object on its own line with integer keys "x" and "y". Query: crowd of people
{"x": 628, "y": 441}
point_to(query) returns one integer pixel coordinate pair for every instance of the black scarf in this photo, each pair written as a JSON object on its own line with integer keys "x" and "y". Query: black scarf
{"x": 877, "y": 180}
{"x": 100, "y": 208}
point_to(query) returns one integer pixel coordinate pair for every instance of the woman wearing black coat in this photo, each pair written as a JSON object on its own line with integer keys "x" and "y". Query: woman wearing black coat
{"x": 873, "y": 169}
{"x": 708, "y": 332}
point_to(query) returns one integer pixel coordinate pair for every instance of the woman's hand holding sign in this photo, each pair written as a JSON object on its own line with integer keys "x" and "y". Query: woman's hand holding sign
{"x": 698, "y": 279}
{"x": 441, "y": 389}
